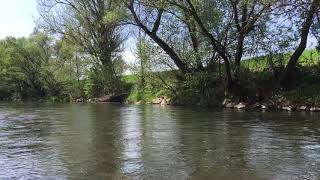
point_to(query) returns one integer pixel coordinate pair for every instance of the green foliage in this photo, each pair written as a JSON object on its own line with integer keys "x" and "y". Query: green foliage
{"x": 309, "y": 57}
{"x": 115, "y": 15}
{"x": 94, "y": 84}
{"x": 23, "y": 69}
{"x": 306, "y": 88}
{"x": 146, "y": 93}
{"x": 38, "y": 68}
{"x": 201, "y": 88}
{"x": 93, "y": 28}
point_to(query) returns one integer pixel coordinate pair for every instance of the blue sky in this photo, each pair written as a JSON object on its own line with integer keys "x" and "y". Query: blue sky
{"x": 17, "y": 17}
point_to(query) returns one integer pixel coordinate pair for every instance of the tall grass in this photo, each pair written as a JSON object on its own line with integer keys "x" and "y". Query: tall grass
{"x": 310, "y": 57}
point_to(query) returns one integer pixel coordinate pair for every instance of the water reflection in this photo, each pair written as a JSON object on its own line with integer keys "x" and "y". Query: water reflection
{"x": 104, "y": 141}
{"x": 131, "y": 135}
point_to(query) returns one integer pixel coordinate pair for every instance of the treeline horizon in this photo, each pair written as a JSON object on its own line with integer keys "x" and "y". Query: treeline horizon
{"x": 75, "y": 51}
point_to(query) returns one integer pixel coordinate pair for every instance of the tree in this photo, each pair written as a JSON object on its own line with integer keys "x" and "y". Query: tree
{"x": 304, "y": 32}
{"x": 157, "y": 11}
{"x": 233, "y": 21}
{"x": 26, "y": 61}
{"x": 95, "y": 25}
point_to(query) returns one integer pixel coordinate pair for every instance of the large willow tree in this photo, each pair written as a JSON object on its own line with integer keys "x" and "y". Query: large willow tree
{"x": 94, "y": 25}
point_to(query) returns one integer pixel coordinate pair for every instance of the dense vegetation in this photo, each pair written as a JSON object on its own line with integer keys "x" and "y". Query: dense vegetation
{"x": 193, "y": 51}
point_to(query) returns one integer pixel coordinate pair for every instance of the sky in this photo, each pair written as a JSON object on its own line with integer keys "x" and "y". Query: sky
{"x": 17, "y": 17}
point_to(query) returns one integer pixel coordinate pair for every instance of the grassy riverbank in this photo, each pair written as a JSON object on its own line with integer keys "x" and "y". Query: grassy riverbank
{"x": 258, "y": 84}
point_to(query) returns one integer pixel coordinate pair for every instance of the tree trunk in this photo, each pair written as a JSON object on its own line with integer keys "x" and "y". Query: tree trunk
{"x": 173, "y": 55}
{"x": 153, "y": 35}
{"x": 216, "y": 46}
{"x": 238, "y": 56}
{"x": 302, "y": 46}
{"x": 194, "y": 38}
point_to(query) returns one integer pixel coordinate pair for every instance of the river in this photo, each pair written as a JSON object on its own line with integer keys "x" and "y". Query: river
{"x": 108, "y": 141}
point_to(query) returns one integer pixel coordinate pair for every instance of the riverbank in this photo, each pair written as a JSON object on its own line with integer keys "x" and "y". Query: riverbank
{"x": 258, "y": 86}
{"x": 302, "y": 98}
{"x": 229, "y": 104}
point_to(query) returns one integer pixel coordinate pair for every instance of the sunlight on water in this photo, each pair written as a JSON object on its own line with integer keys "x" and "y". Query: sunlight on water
{"x": 101, "y": 141}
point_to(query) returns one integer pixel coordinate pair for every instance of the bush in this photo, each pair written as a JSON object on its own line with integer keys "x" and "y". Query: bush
{"x": 200, "y": 88}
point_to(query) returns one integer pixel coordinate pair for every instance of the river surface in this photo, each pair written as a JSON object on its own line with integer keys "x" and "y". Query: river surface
{"x": 105, "y": 141}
